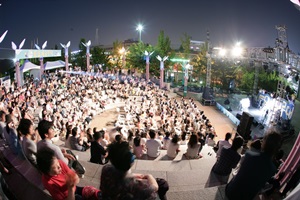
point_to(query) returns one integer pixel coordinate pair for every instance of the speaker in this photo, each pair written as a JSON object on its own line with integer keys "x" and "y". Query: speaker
{"x": 244, "y": 128}
{"x": 207, "y": 93}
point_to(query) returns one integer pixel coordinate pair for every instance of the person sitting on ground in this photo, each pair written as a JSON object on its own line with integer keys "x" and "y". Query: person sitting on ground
{"x": 223, "y": 143}
{"x": 103, "y": 141}
{"x": 11, "y": 136}
{"x": 138, "y": 148}
{"x": 46, "y": 133}
{"x": 229, "y": 158}
{"x": 74, "y": 141}
{"x": 98, "y": 152}
{"x": 192, "y": 151}
{"x": 166, "y": 140}
{"x": 117, "y": 182}
{"x": 173, "y": 148}
{"x": 28, "y": 145}
{"x": 60, "y": 180}
{"x": 153, "y": 145}
{"x": 256, "y": 169}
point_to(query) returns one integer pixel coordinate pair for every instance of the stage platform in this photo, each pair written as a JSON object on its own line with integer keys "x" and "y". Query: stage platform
{"x": 261, "y": 122}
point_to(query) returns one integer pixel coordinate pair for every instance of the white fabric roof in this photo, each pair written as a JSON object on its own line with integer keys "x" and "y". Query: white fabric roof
{"x": 55, "y": 64}
{"x": 28, "y": 66}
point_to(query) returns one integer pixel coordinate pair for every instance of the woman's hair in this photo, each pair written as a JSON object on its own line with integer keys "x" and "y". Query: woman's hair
{"x": 44, "y": 159}
{"x": 175, "y": 139}
{"x": 237, "y": 143}
{"x": 120, "y": 156}
{"x": 74, "y": 131}
{"x": 24, "y": 126}
{"x": 193, "y": 140}
{"x": 271, "y": 143}
{"x": 137, "y": 141}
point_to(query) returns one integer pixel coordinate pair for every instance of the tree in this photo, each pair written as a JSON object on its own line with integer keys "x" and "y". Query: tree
{"x": 199, "y": 62}
{"x": 136, "y": 56}
{"x": 99, "y": 58}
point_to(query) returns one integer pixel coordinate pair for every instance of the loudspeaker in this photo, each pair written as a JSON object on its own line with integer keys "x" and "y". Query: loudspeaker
{"x": 244, "y": 128}
{"x": 207, "y": 93}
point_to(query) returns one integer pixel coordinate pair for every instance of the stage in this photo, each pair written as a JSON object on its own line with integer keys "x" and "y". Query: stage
{"x": 264, "y": 116}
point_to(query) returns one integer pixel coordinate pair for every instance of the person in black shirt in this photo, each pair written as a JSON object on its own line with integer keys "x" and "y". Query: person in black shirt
{"x": 98, "y": 153}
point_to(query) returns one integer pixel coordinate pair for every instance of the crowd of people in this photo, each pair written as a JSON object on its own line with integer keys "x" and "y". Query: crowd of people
{"x": 69, "y": 103}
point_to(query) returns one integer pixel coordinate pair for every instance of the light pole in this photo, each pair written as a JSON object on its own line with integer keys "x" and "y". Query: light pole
{"x": 147, "y": 54}
{"x": 162, "y": 60}
{"x": 87, "y": 45}
{"x": 66, "y": 47}
{"x": 140, "y": 28}
{"x": 17, "y": 67}
{"x": 41, "y": 59}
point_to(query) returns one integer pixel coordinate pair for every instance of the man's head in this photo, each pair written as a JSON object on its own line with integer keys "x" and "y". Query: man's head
{"x": 237, "y": 143}
{"x": 152, "y": 133}
{"x": 45, "y": 129}
{"x": 271, "y": 143}
{"x": 227, "y": 136}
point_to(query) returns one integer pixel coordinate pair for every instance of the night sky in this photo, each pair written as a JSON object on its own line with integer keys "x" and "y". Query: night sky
{"x": 251, "y": 22}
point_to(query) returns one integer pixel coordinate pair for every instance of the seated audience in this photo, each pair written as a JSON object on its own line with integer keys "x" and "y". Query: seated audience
{"x": 138, "y": 148}
{"x": 60, "y": 180}
{"x": 223, "y": 143}
{"x": 153, "y": 145}
{"x": 98, "y": 152}
{"x": 28, "y": 145}
{"x": 117, "y": 182}
{"x": 256, "y": 169}
{"x": 173, "y": 147}
{"x": 192, "y": 151}
{"x": 46, "y": 133}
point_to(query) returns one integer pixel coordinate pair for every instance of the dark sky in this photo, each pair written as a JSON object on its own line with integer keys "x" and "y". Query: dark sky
{"x": 58, "y": 21}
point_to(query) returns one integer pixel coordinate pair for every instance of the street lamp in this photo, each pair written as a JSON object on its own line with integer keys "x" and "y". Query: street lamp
{"x": 41, "y": 59}
{"x": 17, "y": 67}
{"x": 87, "y": 45}
{"x": 162, "y": 60}
{"x": 147, "y": 54}
{"x": 140, "y": 28}
{"x": 66, "y": 47}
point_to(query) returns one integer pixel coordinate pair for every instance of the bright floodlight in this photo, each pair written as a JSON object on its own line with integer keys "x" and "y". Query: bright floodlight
{"x": 222, "y": 52}
{"x": 237, "y": 50}
{"x": 139, "y": 27}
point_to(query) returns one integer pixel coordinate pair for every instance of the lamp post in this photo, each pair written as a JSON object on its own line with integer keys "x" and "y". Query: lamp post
{"x": 140, "y": 28}
{"x": 147, "y": 54}
{"x": 17, "y": 64}
{"x": 87, "y": 45}
{"x": 41, "y": 59}
{"x": 66, "y": 47}
{"x": 162, "y": 60}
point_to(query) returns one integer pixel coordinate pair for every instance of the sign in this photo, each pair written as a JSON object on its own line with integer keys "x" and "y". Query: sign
{"x": 30, "y": 53}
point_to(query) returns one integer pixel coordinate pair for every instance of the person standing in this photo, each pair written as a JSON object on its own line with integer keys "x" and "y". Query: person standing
{"x": 229, "y": 158}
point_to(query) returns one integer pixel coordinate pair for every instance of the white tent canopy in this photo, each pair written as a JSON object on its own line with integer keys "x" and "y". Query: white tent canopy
{"x": 54, "y": 64}
{"x": 28, "y": 66}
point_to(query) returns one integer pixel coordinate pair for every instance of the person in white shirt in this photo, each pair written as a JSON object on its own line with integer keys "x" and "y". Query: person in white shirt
{"x": 153, "y": 145}
{"x": 223, "y": 143}
{"x": 173, "y": 147}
